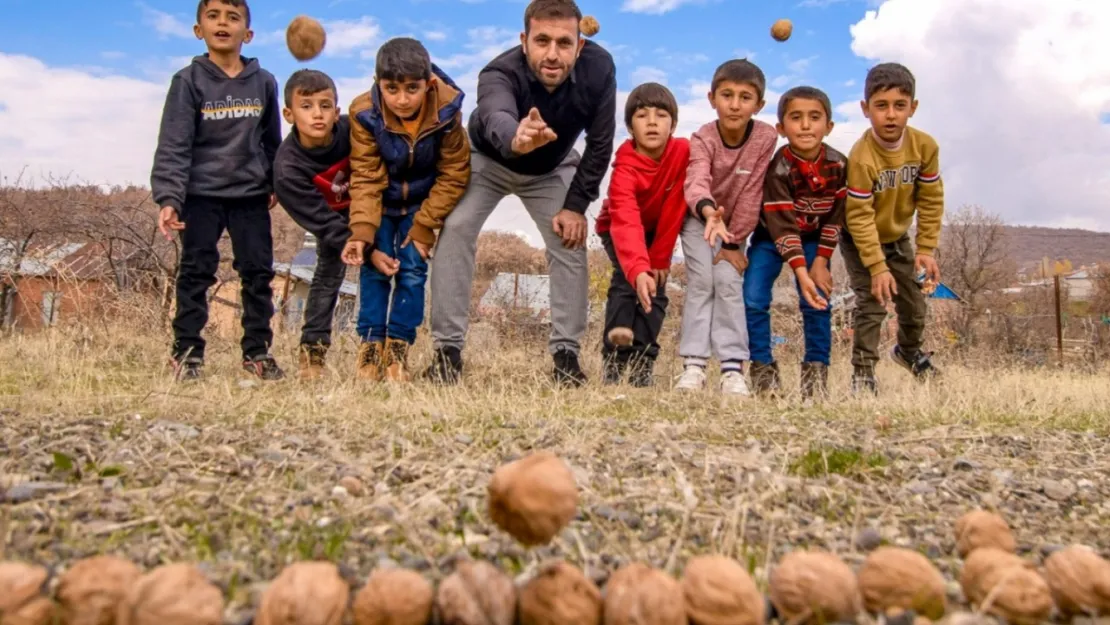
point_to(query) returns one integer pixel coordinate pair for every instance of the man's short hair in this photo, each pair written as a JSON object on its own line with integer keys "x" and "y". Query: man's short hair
{"x": 804, "y": 93}
{"x": 238, "y": 4}
{"x": 308, "y": 82}
{"x": 550, "y": 10}
{"x": 740, "y": 71}
{"x": 403, "y": 58}
{"x": 886, "y": 76}
{"x": 650, "y": 95}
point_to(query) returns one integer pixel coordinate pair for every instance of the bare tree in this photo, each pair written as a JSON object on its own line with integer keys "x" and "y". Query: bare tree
{"x": 973, "y": 260}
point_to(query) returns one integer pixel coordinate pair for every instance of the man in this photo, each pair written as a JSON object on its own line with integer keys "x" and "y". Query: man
{"x": 533, "y": 103}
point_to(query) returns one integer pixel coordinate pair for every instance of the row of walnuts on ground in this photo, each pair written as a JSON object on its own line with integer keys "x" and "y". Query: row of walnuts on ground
{"x": 535, "y": 498}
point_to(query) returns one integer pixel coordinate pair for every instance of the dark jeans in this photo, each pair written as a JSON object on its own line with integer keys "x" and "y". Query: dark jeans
{"x": 764, "y": 266}
{"x": 909, "y": 303}
{"x": 323, "y": 295}
{"x": 397, "y": 317}
{"x": 247, "y": 221}
{"x": 622, "y": 309}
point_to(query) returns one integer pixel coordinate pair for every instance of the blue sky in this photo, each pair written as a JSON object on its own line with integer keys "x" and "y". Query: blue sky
{"x": 1016, "y": 92}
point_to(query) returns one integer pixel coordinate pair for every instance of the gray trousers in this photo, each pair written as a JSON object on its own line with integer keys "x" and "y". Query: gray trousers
{"x": 453, "y": 264}
{"x": 713, "y": 314}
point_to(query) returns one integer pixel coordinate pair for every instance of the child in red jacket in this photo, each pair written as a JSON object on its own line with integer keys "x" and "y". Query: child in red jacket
{"x": 639, "y": 225}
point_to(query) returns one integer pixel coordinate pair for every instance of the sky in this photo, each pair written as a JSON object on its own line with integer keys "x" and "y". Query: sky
{"x": 1016, "y": 92}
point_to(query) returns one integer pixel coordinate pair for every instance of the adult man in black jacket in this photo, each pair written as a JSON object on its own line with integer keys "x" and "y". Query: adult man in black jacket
{"x": 533, "y": 103}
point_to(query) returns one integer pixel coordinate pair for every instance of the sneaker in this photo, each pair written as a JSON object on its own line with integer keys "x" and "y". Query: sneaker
{"x": 765, "y": 377}
{"x": 187, "y": 370}
{"x": 395, "y": 361}
{"x": 312, "y": 362}
{"x": 733, "y": 383}
{"x": 567, "y": 370}
{"x": 692, "y": 379}
{"x": 263, "y": 366}
{"x": 864, "y": 381}
{"x": 369, "y": 362}
{"x": 446, "y": 367}
{"x": 920, "y": 365}
{"x": 815, "y": 380}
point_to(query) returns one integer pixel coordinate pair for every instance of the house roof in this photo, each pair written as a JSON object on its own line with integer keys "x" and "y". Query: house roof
{"x": 70, "y": 259}
{"x": 305, "y": 273}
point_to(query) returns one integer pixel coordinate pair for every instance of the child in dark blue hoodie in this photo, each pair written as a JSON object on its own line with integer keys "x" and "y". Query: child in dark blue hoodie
{"x": 220, "y": 130}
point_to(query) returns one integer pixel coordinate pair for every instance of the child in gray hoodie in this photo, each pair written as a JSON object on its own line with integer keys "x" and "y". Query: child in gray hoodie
{"x": 213, "y": 166}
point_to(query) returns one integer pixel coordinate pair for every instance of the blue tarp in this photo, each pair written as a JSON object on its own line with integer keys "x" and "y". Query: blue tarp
{"x": 943, "y": 292}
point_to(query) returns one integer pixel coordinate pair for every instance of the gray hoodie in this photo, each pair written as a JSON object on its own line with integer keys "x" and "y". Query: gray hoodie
{"x": 219, "y": 134}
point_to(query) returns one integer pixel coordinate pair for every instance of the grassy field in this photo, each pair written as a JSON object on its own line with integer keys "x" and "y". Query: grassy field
{"x": 101, "y": 452}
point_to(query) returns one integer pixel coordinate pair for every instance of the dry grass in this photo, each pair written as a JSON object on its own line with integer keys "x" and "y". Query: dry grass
{"x": 241, "y": 475}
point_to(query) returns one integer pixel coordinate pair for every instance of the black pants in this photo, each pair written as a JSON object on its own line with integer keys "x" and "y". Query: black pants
{"x": 323, "y": 295}
{"x": 622, "y": 309}
{"x": 247, "y": 221}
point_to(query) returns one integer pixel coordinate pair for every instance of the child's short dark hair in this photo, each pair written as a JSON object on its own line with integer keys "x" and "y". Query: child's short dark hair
{"x": 650, "y": 95}
{"x": 550, "y": 10}
{"x": 886, "y": 76}
{"x": 804, "y": 93}
{"x": 403, "y": 58}
{"x": 740, "y": 71}
{"x": 308, "y": 82}
{"x": 238, "y": 4}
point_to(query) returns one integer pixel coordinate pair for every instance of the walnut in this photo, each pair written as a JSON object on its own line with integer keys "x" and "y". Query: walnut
{"x": 894, "y": 577}
{"x": 90, "y": 591}
{"x": 980, "y": 528}
{"x": 305, "y": 593}
{"x": 980, "y": 562}
{"x": 814, "y": 587}
{"x": 533, "y": 498}
{"x": 1079, "y": 580}
{"x": 1006, "y": 585}
{"x": 172, "y": 594}
{"x": 560, "y": 594}
{"x": 476, "y": 594}
{"x": 589, "y": 26}
{"x": 718, "y": 591}
{"x": 394, "y": 597}
{"x": 305, "y": 37}
{"x": 21, "y": 598}
{"x": 781, "y": 29}
{"x": 638, "y": 594}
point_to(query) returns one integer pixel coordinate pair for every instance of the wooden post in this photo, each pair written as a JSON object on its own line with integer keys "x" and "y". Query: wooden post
{"x": 1059, "y": 323}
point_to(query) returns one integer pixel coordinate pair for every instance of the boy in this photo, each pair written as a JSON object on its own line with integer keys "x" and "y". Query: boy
{"x": 893, "y": 174}
{"x": 803, "y": 207}
{"x": 639, "y": 225}
{"x": 213, "y": 171}
{"x": 410, "y": 164}
{"x": 312, "y": 173}
{"x": 724, "y": 188}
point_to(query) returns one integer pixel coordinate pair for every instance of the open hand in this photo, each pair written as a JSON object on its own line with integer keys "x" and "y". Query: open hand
{"x": 808, "y": 287}
{"x": 645, "y": 289}
{"x": 353, "y": 253}
{"x": 736, "y": 258}
{"x": 715, "y": 228}
{"x": 424, "y": 250}
{"x": 532, "y": 133}
{"x": 821, "y": 276}
{"x": 571, "y": 228}
{"x": 168, "y": 220}
{"x": 385, "y": 263}
{"x": 883, "y": 288}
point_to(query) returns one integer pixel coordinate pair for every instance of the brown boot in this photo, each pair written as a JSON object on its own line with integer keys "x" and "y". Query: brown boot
{"x": 395, "y": 361}
{"x": 370, "y": 361}
{"x": 312, "y": 362}
{"x": 815, "y": 380}
{"x": 765, "y": 378}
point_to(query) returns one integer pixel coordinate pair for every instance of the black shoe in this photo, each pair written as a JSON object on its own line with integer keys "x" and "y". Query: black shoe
{"x": 641, "y": 371}
{"x": 919, "y": 365}
{"x": 446, "y": 367}
{"x": 765, "y": 378}
{"x": 863, "y": 381}
{"x": 567, "y": 371}
{"x": 188, "y": 369}
{"x": 815, "y": 380}
{"x": 615, "y": 363}
{"x": 264, "y": 366}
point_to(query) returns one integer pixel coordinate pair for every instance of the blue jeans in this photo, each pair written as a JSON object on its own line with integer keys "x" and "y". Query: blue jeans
{"x": 379, "y": 316}
{"x": 764, "y": 265}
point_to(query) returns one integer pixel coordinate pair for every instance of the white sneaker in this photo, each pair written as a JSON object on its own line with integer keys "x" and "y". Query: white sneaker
{"x": 733, "y": 383}
{"x": 692, "y": 379}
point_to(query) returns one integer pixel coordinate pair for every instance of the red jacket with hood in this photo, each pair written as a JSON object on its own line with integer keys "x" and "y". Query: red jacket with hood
{"x": 645, "y": 197}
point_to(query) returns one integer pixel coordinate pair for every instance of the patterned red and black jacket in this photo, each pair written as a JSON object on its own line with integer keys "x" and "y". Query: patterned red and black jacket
{"x": 803, "y": 200}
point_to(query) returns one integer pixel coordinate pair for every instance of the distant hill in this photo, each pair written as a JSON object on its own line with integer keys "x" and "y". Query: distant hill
{"x": 1029, "y": 244}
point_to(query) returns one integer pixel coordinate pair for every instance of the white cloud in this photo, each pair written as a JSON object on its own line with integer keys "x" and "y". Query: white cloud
{"x": 654, "y": 7}
{"x": 435, "y": 35}
{"x": 345, "y": 38}
{"x": 646, "y": 73}
{"x": 165, "y": 24}
{"x": 1013, "y": 92}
